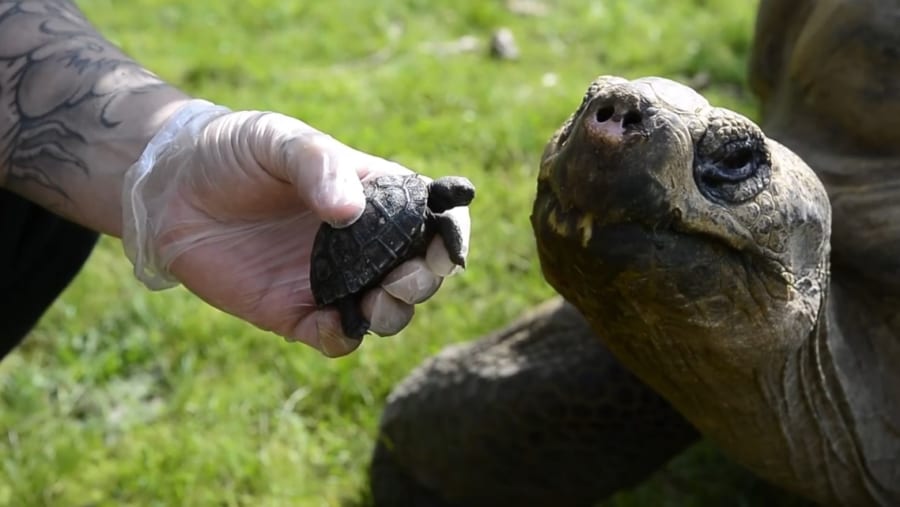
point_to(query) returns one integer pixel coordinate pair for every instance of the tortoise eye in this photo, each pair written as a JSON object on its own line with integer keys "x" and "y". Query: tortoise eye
{"x": 735, "y": 172}
{"x": 738, "y": 160}
{"x": 740, "y": 164}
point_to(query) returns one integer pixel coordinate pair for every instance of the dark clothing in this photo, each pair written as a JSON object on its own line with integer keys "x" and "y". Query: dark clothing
{"x": 40, "y": 253}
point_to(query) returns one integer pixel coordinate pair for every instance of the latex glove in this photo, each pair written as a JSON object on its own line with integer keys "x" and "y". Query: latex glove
{"x": 228, "y": 204}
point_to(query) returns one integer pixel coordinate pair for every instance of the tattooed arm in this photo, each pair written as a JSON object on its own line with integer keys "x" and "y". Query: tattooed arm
{"x": 75, "y": 112}
{"x": 227, "y": 205}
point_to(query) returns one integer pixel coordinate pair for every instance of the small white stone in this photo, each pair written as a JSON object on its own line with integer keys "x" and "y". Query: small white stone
{"x": 503, "y": 45}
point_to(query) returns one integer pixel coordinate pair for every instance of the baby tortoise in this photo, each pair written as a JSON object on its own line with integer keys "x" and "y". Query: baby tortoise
{"x": 402, "y": 215}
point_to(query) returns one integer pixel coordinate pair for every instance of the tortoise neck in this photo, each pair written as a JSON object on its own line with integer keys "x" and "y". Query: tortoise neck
{"x": 811, "y": 411}
{"x": 809, "y": 442}
{"x": 843, "y": 394}
{"x": 819, "y": 417}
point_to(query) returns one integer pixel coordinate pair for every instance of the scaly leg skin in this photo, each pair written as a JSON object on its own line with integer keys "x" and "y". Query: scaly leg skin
{"x": 449, "y": 233}
{"x": 538, "y": 414}
{"x": 353, "y": 323}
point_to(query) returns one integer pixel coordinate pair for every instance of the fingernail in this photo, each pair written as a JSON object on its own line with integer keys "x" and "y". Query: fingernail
{"x": 337, "y": 346}
{"x": 389, "y": 316}
{"x": 439, "y": 261}
{"x": 331, "y": 343}
{"x": 341, "y": 198}
{"x": 413, "y": 288}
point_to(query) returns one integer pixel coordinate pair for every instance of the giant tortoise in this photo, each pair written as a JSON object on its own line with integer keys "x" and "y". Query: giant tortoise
{"x": 720, "y": 278}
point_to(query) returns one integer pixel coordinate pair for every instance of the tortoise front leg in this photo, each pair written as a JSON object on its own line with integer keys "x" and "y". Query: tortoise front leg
{"x": 564, "y": 425}
{"x": 450, "y": 235}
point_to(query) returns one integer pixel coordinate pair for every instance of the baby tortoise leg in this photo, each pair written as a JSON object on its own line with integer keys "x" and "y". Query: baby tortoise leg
{"x": 353, "y": 323}
{"x": 446, "y": 228}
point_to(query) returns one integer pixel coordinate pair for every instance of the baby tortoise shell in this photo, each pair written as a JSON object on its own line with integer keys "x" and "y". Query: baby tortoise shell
{"x": 402, "y": 215}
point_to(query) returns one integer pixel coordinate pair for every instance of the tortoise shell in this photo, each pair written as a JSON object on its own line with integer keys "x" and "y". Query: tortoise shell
{"x": 392, "y": 228}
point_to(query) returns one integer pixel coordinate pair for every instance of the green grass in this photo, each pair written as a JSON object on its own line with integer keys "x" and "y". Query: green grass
{"x": 125, "y": 397}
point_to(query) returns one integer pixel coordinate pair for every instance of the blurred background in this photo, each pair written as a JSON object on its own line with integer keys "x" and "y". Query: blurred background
{"x": 126, "y": 397}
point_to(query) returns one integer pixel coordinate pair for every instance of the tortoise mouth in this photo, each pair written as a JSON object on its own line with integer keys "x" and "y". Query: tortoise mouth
{"x": 595, "y": 262}
{"x": 558, "y": 220}
{"x": 563, "y": 218}
{"x": 580, "y": 250}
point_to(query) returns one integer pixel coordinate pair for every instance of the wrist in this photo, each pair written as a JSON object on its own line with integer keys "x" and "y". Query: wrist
{"x": 140, "y": 123}
{"x": 147, "y": 186}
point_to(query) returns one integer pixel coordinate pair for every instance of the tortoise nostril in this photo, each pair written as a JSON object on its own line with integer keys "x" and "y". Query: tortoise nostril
{"x": 605, "y": 113}
{"x": 631, "y": 118}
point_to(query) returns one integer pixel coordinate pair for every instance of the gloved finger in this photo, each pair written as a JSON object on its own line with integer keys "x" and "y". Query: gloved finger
{"x": 322, "y": 330}
{"x": 327, "y": 179}
{"x": 436, "y": 256}
{"x": 412, "y": 282}
{"x": 387, "y": 315}
{"x": 321, "y": 168}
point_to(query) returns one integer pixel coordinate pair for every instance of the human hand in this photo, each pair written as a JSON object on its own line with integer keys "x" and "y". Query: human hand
{"x": 229, "y": 203}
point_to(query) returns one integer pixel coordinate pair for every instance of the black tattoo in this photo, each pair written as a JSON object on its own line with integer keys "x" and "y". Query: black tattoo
{"x": 60, "y": 80}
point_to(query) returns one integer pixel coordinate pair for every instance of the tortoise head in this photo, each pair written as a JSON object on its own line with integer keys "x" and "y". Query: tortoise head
{"x": 449, "y": 192}
{"x": 678, "y": 228}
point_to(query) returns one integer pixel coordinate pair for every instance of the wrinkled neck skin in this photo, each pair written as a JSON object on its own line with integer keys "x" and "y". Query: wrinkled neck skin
{"x": 730, "y": 314}
{"x": 842, "y": 383}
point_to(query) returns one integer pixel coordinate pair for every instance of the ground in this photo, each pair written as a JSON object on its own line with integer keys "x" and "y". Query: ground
{"x": 126, "y": 397}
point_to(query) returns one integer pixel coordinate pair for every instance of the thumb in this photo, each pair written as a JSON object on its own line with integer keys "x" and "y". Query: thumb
{"x": 328, "y": 181}
{"x": 323, "y": 170}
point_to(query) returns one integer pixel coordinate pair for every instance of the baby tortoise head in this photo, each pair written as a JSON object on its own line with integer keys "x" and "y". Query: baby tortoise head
{"x": 653, "y": 203}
